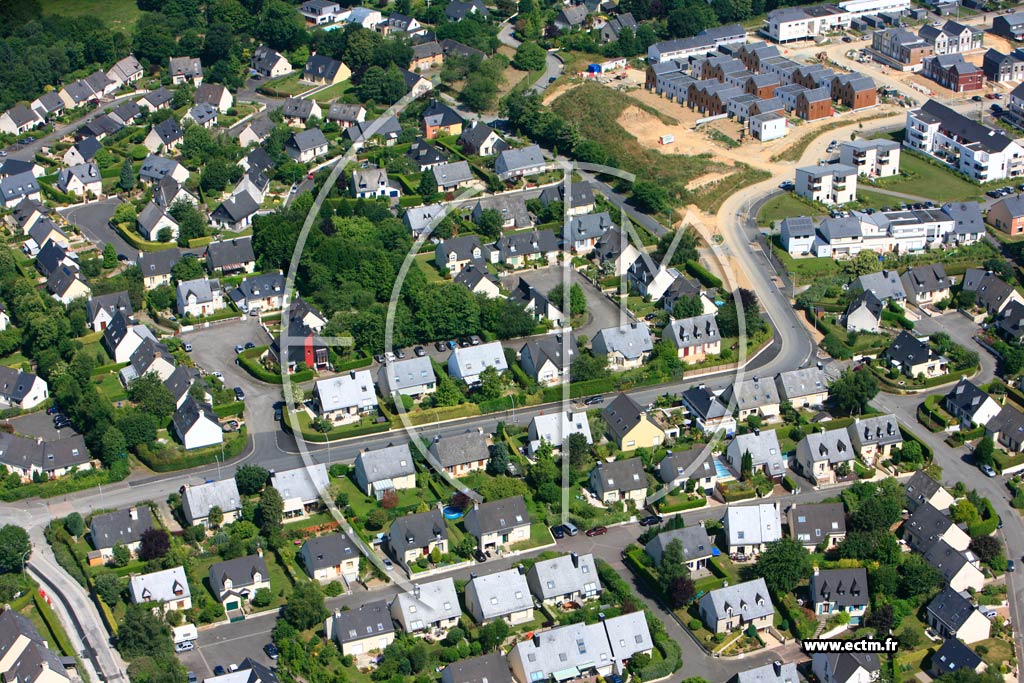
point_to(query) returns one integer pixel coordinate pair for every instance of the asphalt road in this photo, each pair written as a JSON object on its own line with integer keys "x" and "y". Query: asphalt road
{"x": 553, "y": 64}
{"x": 93, "y": 220}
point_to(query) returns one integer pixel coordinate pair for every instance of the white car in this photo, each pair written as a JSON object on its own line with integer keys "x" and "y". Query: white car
{"x": 217, "y": 374}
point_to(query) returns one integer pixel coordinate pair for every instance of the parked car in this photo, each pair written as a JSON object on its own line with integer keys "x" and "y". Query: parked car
{"x": 441, "y": 346}
{"x": 987, "y": 469}
{"x": 185, "y": 646}
{"x": 399, "y": 354}
{"x": 218, "y": 374}
{"x": 990, "y": 96}
{"x": 388, "y": 563}
{"x": 977, "y": 98}
{"x": 1010, "y": 566}
{"x": 239, "y": 394}
{"x": 231, "y": 426}
{"x": 192, "y": 677}
{"x": 464, "y": 342}
{"x": 474, "y": 340}
{"x": 452, "y": 344}
{"x": 278, "y": 414}
{"x": 389, "y": 356}
{"x": 53, "y": 410}
{"x": 650, "y": 520}
{"x": 594, "y": 400}
{"x": 219, "y": 670}
{"x": 787, "y": 185}
{"x": 480, "y": 557}
{"x": 419, "y": 351}
{"x": 557, "y": 531}
{"x": 994, "y": 194}
{"x": 249, "y": 345}
{"x": 271, "y": 650}
{"x": 239, "y": 348}
{"x": 187, "y": 347}
{"x": 597, "y": 531}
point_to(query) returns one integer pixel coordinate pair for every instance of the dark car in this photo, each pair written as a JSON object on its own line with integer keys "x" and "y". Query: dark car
{"x": 53, "y": 410}
{"x": 474, "y": 340}
{"x": 994, "y": 194}
{"x": 271, "y": 650}
{"x": 977, "y": 98}
{"x": 62, "y": 423}
{"x": 1009, "y": 566}
{"x": 219, "y": 670}
{"x": 420, "y": 351}
{"x": 278, "y": 414}
{"x": 440, "y": 346}
{"x": 650, "y": 316}
{"x": 557, "y": 531}
{"x": 192, "y": 678}
{"x": 399, "y": 354}
{"x": 249, "y": 345}
{"x": 480, "y": 557}
{"x": 379, "y": 358}
{"x": 464, "y": 342}
{"x": 1000, "y": 525}
{"x": 597, "y": 531}
{"x": 650, "y": 520}
{"x": 239, "y": 394}
{"x": 594, "y": 400}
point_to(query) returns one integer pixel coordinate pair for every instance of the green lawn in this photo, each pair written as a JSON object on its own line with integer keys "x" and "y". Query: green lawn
{"x": 119, "y": 14}
{"x": 15, "y": 360}
{"x": 286, "y": 85}
{"x": 425, "y": 262}
{"x": 539, "y": 535}
{"x": 806, "y": 270}
{"x": 869, "y": 199}
{"x": 110, "y": 386}
{"x": 998, "y": 651}
{"x": 782, "y": 206}
{"x": 923, "y": 179}
{"x": 333, "y": 92}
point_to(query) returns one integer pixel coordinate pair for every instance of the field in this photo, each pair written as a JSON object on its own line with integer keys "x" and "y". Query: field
{"x": 782, "y": 206}
{"x": 119, "y": 14}
{"x": 923, "y": 179}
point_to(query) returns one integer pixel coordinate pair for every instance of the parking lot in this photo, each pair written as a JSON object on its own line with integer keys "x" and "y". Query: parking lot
{"x": 602, "y": 311}
{"x": 39, "y": 424}
{"x": 94, "y": 221}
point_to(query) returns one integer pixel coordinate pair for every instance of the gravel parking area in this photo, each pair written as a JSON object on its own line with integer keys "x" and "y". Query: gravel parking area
{"x": 40, "y": 424}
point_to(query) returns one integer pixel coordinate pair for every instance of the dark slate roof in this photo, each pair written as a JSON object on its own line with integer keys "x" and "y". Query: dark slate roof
{"x": 18, "y": 186}
{"x": 295, "y": 107}
{"x": 526, "y": 243}
{"x": 113, "y": 302}
{"x": 622, "y": 414}
{"x": 499, "y": 515}
{"x": 459, "y": 449}
{"x": 190, "y": 67}
{"x": 321, "y": 67}
{"x": 235, "y": 208}
{"x": 229, "y": 252}
{"x": 476, "y": 135}
{"x": 921, "y": 487}
{"x": 425, "y": 154}
{"x": 168, "y": 131}
{"x": 189, "y": 413}
{"x": 109, "y": 529}
{"x": 845, "y": 664}
{"x": 953, "y": 656}
{"x": 472, "y": 275}
{"x": 867, "y": 300}
{"x": 817, "y": 522}
{"x": 328, "y": 551}
{"x": 153, "y": 263}
{"x": 459, "y": 10}
{"x": 440, "y": 114}
{"x": 492, "y": 668}
{"x": 88, "y": 147}
{"x": 965, "y": 397}
{"x": 908, "y": 350}
{"x": 968, "y": 130}
{"x": 158, "y": 97}
{"x": 926, "y": 279}
{"x": 307, "y": 140}
{"x": 50, "y": 257}
{"x": 416, "y": 531}
{"x": 951, "y": 608}
{"x": 369, "y": 619}
{"x": 179, "y": 381}
{"x": 928, "y": 524}
{"x": 704, "y": 403}
{"x": 239, "y": 570}
{"x": 385, "y": 126}
{"x": 21, "y": 452}
{"x": 845, "y": 587}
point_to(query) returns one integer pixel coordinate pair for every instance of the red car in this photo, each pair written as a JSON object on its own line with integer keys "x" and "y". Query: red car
{"x": 597, "y": 531}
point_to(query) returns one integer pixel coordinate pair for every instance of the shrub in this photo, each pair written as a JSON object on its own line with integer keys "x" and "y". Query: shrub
{"x": 694, "y": 624}
{"x": 262, "y": 598}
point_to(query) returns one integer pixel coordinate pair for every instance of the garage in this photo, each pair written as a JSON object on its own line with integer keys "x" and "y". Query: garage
{"x": 233, "y": 604}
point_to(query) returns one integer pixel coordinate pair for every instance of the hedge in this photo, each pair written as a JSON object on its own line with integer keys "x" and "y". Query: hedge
{"x": 732, "y": 497}
{"x": 926, "y": 450}
{"x": 581, "y": 389}
{"x": 232, "y": 446}
{"x": 199, "y": 241}
{"x": 353, "y": 364}
{"x": 317, "y": 437}
{"x": 249, "y": 360}
{"x": 703, "y": 274}
{"x": 790, "y": 611}
{"x": 53, "y": 624}
{"x": 233, "y": 409}
{"x": 141, "y": 244}
{"x": 897, "y": 319}
{"x": 502, "y": 403}
{"x": 79, "y": 481}
{"x": 989, "y": 521}
{"x": 634, "y": 559}
{"x": 789, "y": 484}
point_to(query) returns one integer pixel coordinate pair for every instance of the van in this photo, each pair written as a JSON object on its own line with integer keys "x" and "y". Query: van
{"x": 570, "y": 528}
{"x": 186, "y": 646}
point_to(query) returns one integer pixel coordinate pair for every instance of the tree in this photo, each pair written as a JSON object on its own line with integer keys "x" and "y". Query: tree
{"x": 746, "y": 466}
{"x": 74, "y": 524}
{"x": 191, "y": 225}
{"x": 882, "y": 620}
{"x": 109, "y": 257}
{"x": 491, "y": 384}
{"x": 499, "y": 461}
{"x": 270, "y": 511}
{"x": 964, "y": 512}
{"x": 987, "y": 548}
{"x": 215, "y": 517}
{"x": 15, "y": 548}
{"x": 154, "y": 544}
{"x": 917, "y": 577}
{"x": 108, "y": 587}
{"x": 492, "y": 635}
{"x": 577, "y": 299}
{"x": 530, "y": 57}
{"x": 389, "y": 501}
{"x": 880, "y": 546}
{"x": 127, "y": 179}
{"x": 151, "y": 395}
{"x": 376, "y": 519}
{"x": 251, "y": 479}
{"x": 687, "y": 307}
{"x": 501, "y": 487}
{"x": 587, "y": 367}
{"x": 650, "y": 197}
{"x": 782, "y": 565}
{"x": 580, "y": 456}
{"x": 681, "y": 592}
{"x": 878, "y": 512}
{"x": 122, "y": 556}
{"x": 489, "y": 221}
{"x": 851, "y": 393}
{"x": 427, "y": 185}
{"x": 305, "y": 608}
{"x": 141, "y": 632}
{"x": 983, "y": 452}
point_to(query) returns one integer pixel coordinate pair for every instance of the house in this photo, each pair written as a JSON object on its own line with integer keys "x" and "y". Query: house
{"x": 85, "y": 90}
{"x": 804, "y": 388}
{"x": 307, "y": 145}
{"x": 960, "y": 570}
{"x": 518, "y": 248}
{"x": 1011, "y": 321}
{"x": 615, "y": 248}
{"x": 19, "y": 119}
{"x": 620, "y": 480}
{"x": 871, "y": 158}
{"x": 854, "y": 91}
{"x": 15, "y": 188}
{"x": 737, "y": 607}
{"x": 566, "y": 578}
{"x": 322, "y": 70}
{"x": 775, "y": 672}
{"x": 154, "y": 222}
{"x": 461, "y": 454}
{"x": 214, "y": 95}
{"x": 971, "y": 405}
{"x": 993, "y": 294}
{"x": 502, "y": 595}
{"x": 499, "y": 524}
{"x": 150, "y": 356}
{"x": 479, "y": 280}
{"x": 182, "y": 69}
{"x": 346, "y": 398}
{"x": 66, "y": 285}
{"x": 269, "y": 63}
{"x": 884, "y": 284}
{"x": 453, "y": 176}
{"x": 826, "y": 457}
{"x": 100, "y": 310}
{"x": 235, "y": 213}
{"x": 126, "y": 114}
{"x": 840, "y": 590}
{"x": 611, "y": 31}
{"x": 695, "y": 339}
{"x": 368, "y": 183}
{"x": 696, "y": 464}
{"x": 927, "y": 526}
{"x": 1007, "y": 215}
{"x": 425, "y": 155}
{"x": 320, "y": 12}
{"x": 547, "y": 360}
{"x": 625, "y": 347}
{"x": 763, "y": 448}
{"x": 904, "y": 49}
{"x": 585, "y": 230}
{"x": 864, "y": 314}
{"x": 922, "y": 489}
{"x": 345, "y": 114}
{"x": 27, "y": 656}
{"x": 952, "y": 37}
{"x": 121, "y": 338}
{"x": 426, "y": 56}
{"x": 456, "y": 253}
{"x": 333, "y": 557}
{"x": 369, "y": 19}
{"x": 156, "y": 100}
{"x": 631, "y": 427}
{"x": 155, "y": 168}
{"x": 360, "y": 631}
{"x": 196, "y": 425}
{"x": 1009, "y": 25}
{"x": 952, "y": 615}
{"x": 429, "y": 609}
{"x": 122, "y": 527}
{"x": 179, "y": 382}
{"x": 828, "y": 184}
{"x": 27, "y": 213}
{"x": 197, "y": 501}
{"x": 440, "y": 119}
{"x": 457, "y": 10}
{"x": 34, "y": 459}
{"x": 402, "y": 23}
{"x": 697, "y": 546}
{"x": 873, "y": 438}
{"x": 926, "y": 284}
{"x": 82, "y": 151}
{"x": 301, "y": 489}
{"x": 536, "y": 302}
{"x": 167, "y": 588}
{"x": 980, "y": 152}
{"x": 156, "y": 267}
{"x": 469, "y": 362}
{"x": 570, "y": 17}
{"x": 914, "y": 357}
{"x": 385, "y": 469}
{"x": 708, "y": 410}
{"x": 768, "y": 126}
{"x": 231, "y": 256}
{"x": 384, "y": 130}
{"x": 1002, "y": 68}
{"x": 416, "y": 535}
{"x": 554, "y": 428}
{"x": 750, "y": 528}
{"x": 235, "y": 582}
{"x": 492, "y": 668}
{"x": 47, "y": 105}
{"x": 411, "y": 377}
{"x": 514, "y": 214}
{"x": 255, "y": 131}
{"x": 512, "y": 164}
{"x": 481, "y": 140}
{"x": 49, "y": 245}
{"x": 954, "y": 73}
{"x": 593, "y": 650}
{"x": 203, "y": 114}
{"x": 166, "y": 135}
{"x": 200, "y": 297}
{"x": 845, "y": 667}
{"x": 952, "y": 656}
{"x": 297, "y": 111}
{"x": 811, "y": 105}
{"x": 265, "y": 293}
{"x": 822, "y": 524}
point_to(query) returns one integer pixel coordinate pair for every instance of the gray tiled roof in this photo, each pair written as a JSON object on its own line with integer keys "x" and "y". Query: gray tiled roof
{"x": 240, "y": 571}
{"x": 694, "y": 539}
{"x": 749, "y": 600}
{"x": 500, "y": 515}
{"x": 459, "y": 449}
{"x": 122, "y": 526}
{"x": 368, "y": 620}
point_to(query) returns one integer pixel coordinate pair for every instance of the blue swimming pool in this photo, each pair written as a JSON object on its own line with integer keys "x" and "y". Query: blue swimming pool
{"x": 721, "y": 470}
{"x": 452, "y": 512}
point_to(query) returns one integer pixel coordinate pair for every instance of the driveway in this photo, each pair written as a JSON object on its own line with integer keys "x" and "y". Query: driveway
{"x": 602, "y": 312}
{"x": 94, "y": 221}
{"x": 40, "y": 425}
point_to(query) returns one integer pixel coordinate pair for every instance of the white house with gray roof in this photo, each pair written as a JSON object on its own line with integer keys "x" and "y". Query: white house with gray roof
{"x": 330, "y": 558}
{"x": 197, "y": 501}
{"x": 307, "y": 145}
{"x": 345, "y": 398}
{"x": 626, "y": 347}
{"x": 385, "y": 469}
{"x": 755, "y": 396}
{"x": 168, "y": 588}
{"x": 620, "y": 480}
{"x": 828, "y": 184}
{"x": 360, "y": 631}
{"x": 235, "y": 582}
{"x": 750, "y": 528}
{"x": 199, "y": 297}
{"x": 499, "y": 524}
{"x": 81, "y": 180}
{"x": 697, "y": 546}
{"x": 461, "y": 454}
{"x": 566, "y": 578}
{"x": 429, "y": 609}
{"x": 845, "y": 667}
{"x": 410, "y": 377}
{"x": 466, "y": 363}
{"x": 555, "y": 428}
{"x": 417, "y": 535}
{"x": 826, "y": 457}
{"x": 694, "y": 338}
{"x": 885, "y": 284}
{"x": 502, "y": 595}
{"x": 513, "y": 164}
{"x": 737, "y": 607}
{"x": 764, "y": 450}
{"x": 301, "y": 488}
{"x": 773, "y": 672}
{"x": 804, "y": 388}
{"x": 119, "y": 527}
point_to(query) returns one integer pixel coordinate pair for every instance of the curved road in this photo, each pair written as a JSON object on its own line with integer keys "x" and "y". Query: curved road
{"x": 553, "y": 64}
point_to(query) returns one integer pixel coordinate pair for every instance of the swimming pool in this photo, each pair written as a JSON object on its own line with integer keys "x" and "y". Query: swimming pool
{"x": 721, "y": 470}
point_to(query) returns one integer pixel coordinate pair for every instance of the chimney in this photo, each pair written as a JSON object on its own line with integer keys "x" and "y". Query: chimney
{"x": 816, "y": 570}
{"x": 259, "y": 551}
{"x": 416, "y": 591}
{"x": 777, "y": 666}
{"x": 352, "y": 374}
{"x": 757, "y": 431}
{"x": 575, "y": 560}
{"x": 133, "y": 513}
{"x": 536, "y": 640}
